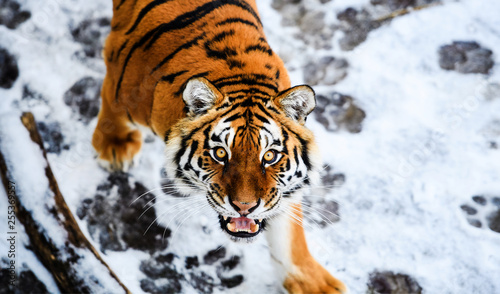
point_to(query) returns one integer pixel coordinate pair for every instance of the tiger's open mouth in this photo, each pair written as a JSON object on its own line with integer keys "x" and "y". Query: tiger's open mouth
{"x": 242, "y": 227}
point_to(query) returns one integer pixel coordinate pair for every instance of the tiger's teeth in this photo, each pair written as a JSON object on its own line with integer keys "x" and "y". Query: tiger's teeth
{"x": 260, "y": 220}
{"x": 254, "y": 228}
{"x": 224, "y": 217}
{"x": 231, "y": 227}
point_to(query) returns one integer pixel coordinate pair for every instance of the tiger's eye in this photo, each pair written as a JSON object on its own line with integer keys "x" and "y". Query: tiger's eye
{"x": 220, "y": 154}
{"x": 270, "y": 156}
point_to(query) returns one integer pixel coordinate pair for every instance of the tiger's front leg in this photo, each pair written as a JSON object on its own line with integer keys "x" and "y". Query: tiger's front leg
{"x": 299, "y": 271}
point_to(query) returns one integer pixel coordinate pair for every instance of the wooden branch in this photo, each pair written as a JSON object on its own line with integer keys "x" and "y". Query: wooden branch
{"x": 54, "y": 234}
{"x": 404, "y": 11}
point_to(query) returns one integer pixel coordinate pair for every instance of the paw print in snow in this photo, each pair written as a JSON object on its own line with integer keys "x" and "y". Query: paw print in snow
{"x": 483, "y": 211}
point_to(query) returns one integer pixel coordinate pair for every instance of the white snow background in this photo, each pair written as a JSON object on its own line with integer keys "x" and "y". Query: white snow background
{"x": 422, "y": 153}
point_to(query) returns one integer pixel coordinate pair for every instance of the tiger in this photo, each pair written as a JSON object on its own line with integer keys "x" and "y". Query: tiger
{"x": 200, "y": 75}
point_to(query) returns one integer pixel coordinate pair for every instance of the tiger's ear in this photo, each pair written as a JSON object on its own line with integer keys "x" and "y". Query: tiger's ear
{"x": 200, "y": 95}
{"x": 297, "y": 102}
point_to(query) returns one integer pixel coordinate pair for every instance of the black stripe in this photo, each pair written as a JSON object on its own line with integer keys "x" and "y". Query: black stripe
{"x": 260, "y": 48}
{"x": 110, "y": 58}
{"x": 121, "y": 49}
{"x": 215, "y": 138}
{"x": 237, "y": 20}
{"x": 206, "y": 146}
{"x": 130, "y": 117}
{"x": 296, "y": 157}
{"x": 188, "y": 18}
{"x": 243, "y": 76}
{"x": 184, "y": 46}
{"x": 223, "y": 54}
{"x": 194, "y": 146}
{"x": 225, "y": 105}
{"x": 305, "y": 149}
{"x": 171, "y": 77}
{"x": 235, "y": 63}
{"x": 221, "y": 36}
{"x": 231, "y": 118}
{"x": 246, "y": 81}
{"x": 285, "y": 140}
{"x": 262, "y": 119}
{"x": 250, "y": 91}
{"x": 119, "y": 5}
{"x": 143, "y": 13}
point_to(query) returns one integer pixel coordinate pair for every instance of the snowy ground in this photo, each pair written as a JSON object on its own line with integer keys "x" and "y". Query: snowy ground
{"x": 428, "y": 145}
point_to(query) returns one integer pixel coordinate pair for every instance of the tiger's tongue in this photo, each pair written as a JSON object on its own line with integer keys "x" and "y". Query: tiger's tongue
{"x": 242, "y": 223}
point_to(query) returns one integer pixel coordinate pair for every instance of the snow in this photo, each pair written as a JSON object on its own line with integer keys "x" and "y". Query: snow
{"x": 421, "y": 154}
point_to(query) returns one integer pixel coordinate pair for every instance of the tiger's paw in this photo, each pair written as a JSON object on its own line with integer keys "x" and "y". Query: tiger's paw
{"x": 313, "y": 279}
{"x": 118, "y": 154}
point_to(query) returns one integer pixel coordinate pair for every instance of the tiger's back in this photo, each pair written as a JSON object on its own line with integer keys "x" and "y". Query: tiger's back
{"x": 159, "y": 45}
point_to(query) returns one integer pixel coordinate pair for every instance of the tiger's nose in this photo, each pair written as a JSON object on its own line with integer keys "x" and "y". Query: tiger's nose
{"x": 245, "y": 208}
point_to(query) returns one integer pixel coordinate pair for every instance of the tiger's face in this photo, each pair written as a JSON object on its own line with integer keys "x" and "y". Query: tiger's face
{"x": 247, "y": 157}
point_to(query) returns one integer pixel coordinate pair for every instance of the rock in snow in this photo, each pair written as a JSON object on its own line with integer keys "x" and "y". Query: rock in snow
{"x": 11, "y": 14}
{"x": 84, "y": 98}
{"x": 8, "y": 69}
{"x": 389, "y": 282}
{"x": 465, "y": 57}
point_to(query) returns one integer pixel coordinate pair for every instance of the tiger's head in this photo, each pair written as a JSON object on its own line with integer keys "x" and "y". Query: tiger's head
{"x": 249, "y": 157}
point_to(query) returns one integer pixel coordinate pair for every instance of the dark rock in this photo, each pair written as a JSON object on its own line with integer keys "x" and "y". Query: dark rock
{"x": 154, "y": 268}
{"x": 330, "y": 179}
{"x": 29, "y": 283}
{"x": 336, "y": 110}
{"x": 214, "y": 255}
{"x": 52, "y": 137}
{"x": 91, "y": 33}
{"x": 232, "y": 281}
{"x": 327, "y": 70}
{"x": 82, "y": 210}
{"x": 356, "y": 25}
{"x": 312, "y": 22}
{"x": 348, "y": 15}
{"x": 231, "y": 263}
{"x": 475, "y": 223}
{"x": 494, "y": 221}
{"x": 391, "y": 283}
{"x": 202, "y": 282}
{"x": 192, "y": 262}
{"x": 26, "y": 282}
{"x": 165, "y": 258}
{"x": 496, "y": 201}
{"x": 468, "y": 209}
{"x": 11, "y": 14}
{"x": 465, "y": 57}
{"x": 83, "y": 98}
{"x": 119, "y": 219}
{"x": 8, "y": 69}
{"x": 161, "y": 286}
{"x": 394, "y": 4}
{"x": 356, "y": 34}
{"x": 479, "y": 200}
